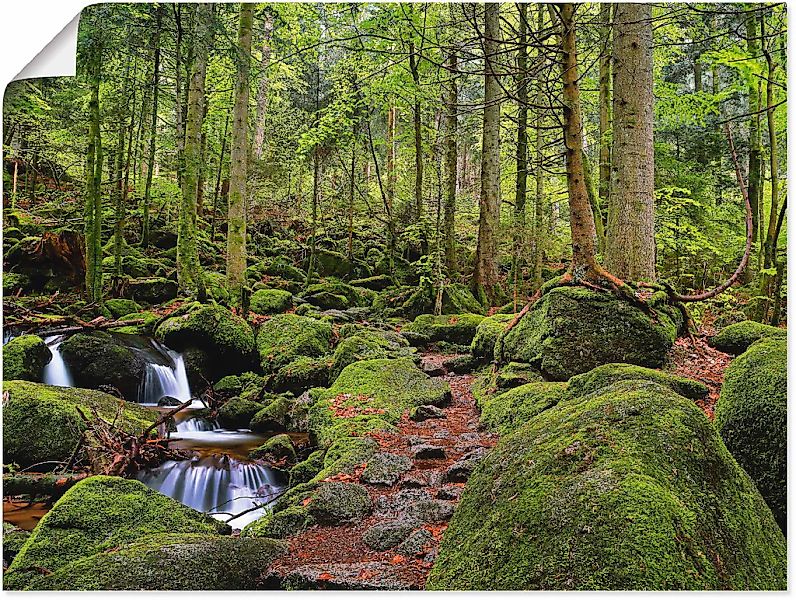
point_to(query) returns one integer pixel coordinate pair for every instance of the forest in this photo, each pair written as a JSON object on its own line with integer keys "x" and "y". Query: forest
{"x": 399, "y": 296}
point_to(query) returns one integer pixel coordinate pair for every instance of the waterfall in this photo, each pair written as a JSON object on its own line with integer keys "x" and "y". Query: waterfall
{"x": 56, "y": 372}
{"x": 169, "y": 379}
{"x": 194, "y": 424}
{"x": 216, "y": 484}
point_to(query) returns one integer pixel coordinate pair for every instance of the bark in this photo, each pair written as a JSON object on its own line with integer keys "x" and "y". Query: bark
{"x": 538, "y": 221}
{"x": 218, "y": 177}
{"x": 450, "y": 162}
{"x": 414, "y": 68}
{"x": 630, "y": 251}
{"x": 521, "y": 190}
{"x": 605, "y": 105}
{"x": 178, "y": 110}
{"x": 153, "y": 127}
{"x": 53, "y": 485}
{"x": 351, "y": 190}
{"x": 262, "y": 90}
{"x": 392, "y": 118}
{"x": 236, "y": 227}
{"x": 485, "y": 274}
{"x": 753, "y": 93}
{"x": 93, "y": 212}
{"x": 189, "y": 271}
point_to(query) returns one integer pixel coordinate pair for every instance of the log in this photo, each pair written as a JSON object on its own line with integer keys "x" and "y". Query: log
{"x": 93, "y": 325}
{"x": 53, "y": 485}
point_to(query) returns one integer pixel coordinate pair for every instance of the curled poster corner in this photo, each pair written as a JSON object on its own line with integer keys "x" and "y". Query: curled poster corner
{"x": 58, "y": 58}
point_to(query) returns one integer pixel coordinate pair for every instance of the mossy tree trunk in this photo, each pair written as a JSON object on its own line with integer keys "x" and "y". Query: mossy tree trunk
{"x": 450, "y": 100}
{"x": 414, "y": 69}
{"x": 189, "y": 271}
{"x": 485, "y": 274}
{"x": 605, "y": 104}
{"x": 630, "y": 247}
{"x": 539, "y": 230}
{"x": 236, "y": 226}
{"x": 93, "y": 207}
{"x": 153, "y": 128}
{"x": 521, "y": 190}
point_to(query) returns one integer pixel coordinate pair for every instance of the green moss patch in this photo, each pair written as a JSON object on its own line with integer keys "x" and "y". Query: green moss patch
{"x": 284, "y": 338}
{"x": 605, "y": 375}
{"x": 98, "y": 358}
{"x": 507, "y": 412}
{"x": 735, "y": 339}
{"x": 25, "y": 357}
{"x": 456, "y": 329}
{"x": 270, "y": 302}
{"x": 487, "y": 333}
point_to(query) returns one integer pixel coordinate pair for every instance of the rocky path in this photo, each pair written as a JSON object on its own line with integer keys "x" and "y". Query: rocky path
{"x": 414, "y": 482}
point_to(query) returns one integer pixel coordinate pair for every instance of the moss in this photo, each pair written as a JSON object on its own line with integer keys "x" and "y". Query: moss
{"x": 571, "y": 330}
{"x": 486, "y": 334}
{"x": 13, "y": 282}
{"x": 307, "y": 469}
{"x": 331, "y": 263}
{"x": 212, "y": 328}
{"x": 275, "y": 449}
{"x": 229, "y": 385}
{"x": 336, "y": 502}
{"x": 285, "y": 523}
{"x": 41, "y": 422}
{"x": 121, "y": 306}
{"x": 284, "y": 338}
{"x": 216, "y": 286}
{"x": 385, "y": 468}
{"x": 273, "y": 417}
{"x": 97, "y": 358}
{"x": 270, "y": 302}
{"x": 300, "y": 375}
{"x": 151, "y": 290}
{"x": 281, "y": 267}
{"x": 356, "y": 348}
{"x": 25, "y": 357}
{"x": 237, "y": 412}
{"x": 13, "y": 540}
{"x": 631, "y": 488}
{"x": 370, "y": 395}
{"x": 457, "y": 299}
{"x": 98, "y": 514}
{"x": 457, "y": 329}
{"x": 376, "y": 283}
{"x": 736, "y": 338}
{"x": 515, "y": 374}
{"x": 606, "y": 375}
{"x": 507, "y": 412}
{"x": 158, "y": 562}
{"x": 751, "y": 416}
{"x": 146, "y": 328}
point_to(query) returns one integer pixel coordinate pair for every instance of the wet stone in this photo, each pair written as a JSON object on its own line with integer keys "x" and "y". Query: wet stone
{"x": 449, "y": 492}
{"x": 426, "y": 412}
{"x": 385, "y": 468}
{"x": 460, "y": 471}
{"x": 416, "y": 544}
{"x": 428, "y": 451}
{"x": 389, "y": 534}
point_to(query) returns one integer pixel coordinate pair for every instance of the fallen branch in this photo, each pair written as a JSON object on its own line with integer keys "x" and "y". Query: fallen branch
{"x": 40, "y": 484}
{"x": 90, "y": 325}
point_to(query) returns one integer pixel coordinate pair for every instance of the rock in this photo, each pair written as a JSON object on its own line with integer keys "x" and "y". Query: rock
{"x": 751, "y": 417}
{"x": 571, "y": 330}
{"x": 330, "y": 263}
{"x": 486, "y": 334}
{"x": 459, "y": 472}
{"x": 449, "y": 492}
{"x": 628, "y": 488}
{"x": 307, "y": 469}
{"x": 605, "y": 375}
{"x": 284, "y": 338}
{"x": 300, "y": 375}
{"x": 150, "y": 563}
{"x": 515, "y": 374}
{"x": 277, "y": 450}
{"x": 384, "y": 536}
{"x": 271, "y": 418}
{"x": 430, "y": 511}
{"x": 416, "y": 339}
{"x": 199, "y": 368}
{"x": 169, "y": 401}
{"x": 428, "y": 451}
{"x": 432, "y": 370}
{"x": 99, "y": 514}
{"x": 457, "y": 299}
{"x": 461, "y": 364}
{"x": 13, "y": 540}
{"x": 417, "y": 543}
{"x": 456, "y": 329}
{"x": 735, "y": 339}
{"x": 369, "y": 575}
{"x": 270, "y": 302}
{"x": 510, "y": 410}
{"x": 426, "y": 412}
{"x": 41, "y": 422}
{"x": 25, "y": 357}
{"x": 226, "y": 337}
{"x": 385, "y": 468}
{"x": 286, "y": 270}
{"x": 236, "y": 413}
{"x": 376, "y": 283}
{"x": 285, "y": 523}
{"x": 151, "y": 290}
{"x": 119, "y": 307}
{"x": 333, "y": 503}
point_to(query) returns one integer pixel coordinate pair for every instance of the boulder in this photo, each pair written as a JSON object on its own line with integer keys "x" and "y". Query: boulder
{"x": 333, "y": 503}
{"x": 330, "y": 263}
{"x": 277, "y": 449}
{"x": 605, "y": 375}
{"x": 270, "y": 302}
{"x": 630, "y": 488}
{"x": 389, "y": 534}
{"x": 96, "y": 359}
{"x": 571, "y": 330}
{"x": 300, "y": 375}
{"x": 735, "y": 339}
{"x": 284, "y": 338}
{"x": 97, "y": 515}
{"x": 456, "y": 329}
{"x": 751, "y": 416}
{"x": 376, "y": 283}
{"x": 307, "y": 469}
{"x": 285, "y": 523}
{"x": 119, "y": 307}
{"x": 511, "y": 410}
{"x": 385, "y": 468}
{"x": 366, "y": 344}
{"x": 25, "y": 357}
{"x": 426, "y": 412}
{"x": 274, "y": 417}
{"x": 13, "y": 540}
{"x": 236, "y": 413}
{"x": 486, "y": 334}
{"x": 151, "y": 290}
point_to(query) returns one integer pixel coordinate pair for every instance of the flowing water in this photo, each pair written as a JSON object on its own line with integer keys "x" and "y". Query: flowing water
{"x": 56, "y": 372}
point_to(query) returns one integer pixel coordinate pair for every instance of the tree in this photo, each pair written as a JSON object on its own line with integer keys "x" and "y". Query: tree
{"x": 521, "y": 189}
{"x": 153, "y": 128}
{"x": 262, "y": 90}
{"x": 450, "y": 159}
{"x": 236, "y": 226}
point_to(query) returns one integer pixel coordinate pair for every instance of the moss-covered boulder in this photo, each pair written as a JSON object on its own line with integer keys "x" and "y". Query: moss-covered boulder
{"x": 274, "y": 417}
{"x": 97, "y": 358}
{"x": 365, "y": 344}
{"x": 277, "y": 449}
{"x": 149, "y": 319}
{"x": 236, "y": 413}
{"x": 307, "y": 469}
{"x": 119, "y": 307}
{"x": 385, "y": 468}
{"x": 376, "y": 283}
{"x": 150, "y": 563}
{"x": 371, "y": 395}
{"x": 285, "y": 523}
{"x": 751, "y": 416}
{"x": 270, "y": 302}
{"x": 331, "y": 263}
{"x": 151, "y": 290}
{"x": 486, "y": 334}
{"x": 284, "y": 338}
{"x": 735, "y": 339}
{"x": 226, "y": 337}
{"x": 605, "y": 375}
{"x": 458, "y": 299}
{"x": 13, "y": 540}
{"x": 336, "y": 295}
{"x": 336, "y": 502}
{"x": 25, "y": 357}
{"x": 571, "y": 330}
{"x": 41, "y": 422}
{"x": 456, "y": 329}
{"x": 631, "y": 488}
{"x": 300, "y": 375}
{"x": 96, "y": 515}
{"x": 510, "y": 410}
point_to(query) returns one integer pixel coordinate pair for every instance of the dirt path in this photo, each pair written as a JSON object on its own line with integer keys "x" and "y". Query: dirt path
{"x": 696, "y": 360}
{"x": 337, "y": 557}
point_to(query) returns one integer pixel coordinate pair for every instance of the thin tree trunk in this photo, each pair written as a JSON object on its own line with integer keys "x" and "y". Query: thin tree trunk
{"x": 539, "y": 230}
{"x": 153, "y": 127}
{"x": 351, "y": 192}
{"x": 450, "y": 101}
{"x": 392, "y": 117}
{"x": 753, "y": 93}
{"x": 236, "y": 226}
{"x": 414, "y": 68}
{"x": 522, "y": 150}
{"x": 262, "y": 90}
{"x": 178, "y": 110}
{"x": 605, "y": 106}
{"x": 218, "y": 177}
{"x": 93, "y": 213}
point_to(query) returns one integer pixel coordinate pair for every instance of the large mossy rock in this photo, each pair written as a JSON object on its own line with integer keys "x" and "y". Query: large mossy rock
{"x": 159, "y": 562}
{"x": 96, "y": 515}
{"x": 487, "y": 333}
{"x": 284, "y": 338}
{"x": 25, "y": 357}
{"x": 97, "y": 358}
{"x": 270, "y": 302}
{"x": 507, "y": 412}
{"x": 454, "y": 329}
{"x": 41, "y": 422}
{"x": 151, "y": 290}
{"x": 571, "y": 330}
{"x": 371, "y": 395}
{"x": 300, "y": 375}
{"x": 626, "y": 488}
{"x": 226, "y": 337}
{"x": 735, "y": 339}
{"x": 605, "y": 375}
{"x": 751, "y": 416}
{"x": 360, "y": 343}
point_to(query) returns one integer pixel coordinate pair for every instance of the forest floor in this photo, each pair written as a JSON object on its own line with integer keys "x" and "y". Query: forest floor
{"x": 336, "y": 557}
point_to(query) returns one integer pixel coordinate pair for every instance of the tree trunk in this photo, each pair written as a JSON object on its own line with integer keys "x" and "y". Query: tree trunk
{"x": 753, "y": 93}
{"x": 605, "y": 106}
{"x": 521, "y": 190}
{"x": 630, "y": 252}
{"x": 539, "y": 230}
{"x": 153, "y": 127}
{"x": 236, "y": 227}
{"x": 392, "y": 118}
{"x": 262, "y": 90}
{"x": 93, "y": 212}
{"x": 189, "y": 272}
{"x": 218, "y": 177}
{"x": 450, "y": 101}
{"x": 178, "y": 113}
{"x": 485, "y": 275}
{"x": 414, "y": 68}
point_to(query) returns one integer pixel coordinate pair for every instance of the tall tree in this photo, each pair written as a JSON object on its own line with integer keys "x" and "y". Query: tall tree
{"x": 262, "y": 90}
{"x": 485, "y": 274}
{"x": 450, "y": 101}
{"x": 414, "y": 68}
{"x": 153, "y": 128}
{"x": 236, "y": 226}
{"x": 630, "y": 252}
{"x": 753, "y": 93}
{"x": 539, "y": 231}
{"x": 605, "y": 103}
{"x": 521, "y": 189}
{"x": 189, "y": 271}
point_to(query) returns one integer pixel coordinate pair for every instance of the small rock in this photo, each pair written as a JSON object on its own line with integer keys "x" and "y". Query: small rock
{"x": 460, "y": 471}
{"x": 432, "y": 370}
{"x": 416, "y": 543}
{"x": 169, "y": 401}
{"x": 449, "y": 492}
{"x": 431, "y": 511}
{"x": 388, "y": 535}
{"x": 385, "y": 468}
{"x": 337, "y": 502}
{"x": 427, "y": 451}
{"x": 426, "y": 412}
